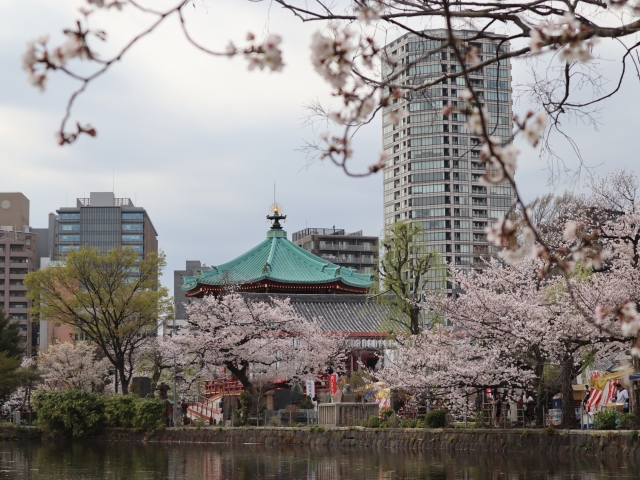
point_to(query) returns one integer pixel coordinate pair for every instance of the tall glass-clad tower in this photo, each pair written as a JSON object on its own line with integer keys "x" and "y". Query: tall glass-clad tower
{"x": 432, "y": 175}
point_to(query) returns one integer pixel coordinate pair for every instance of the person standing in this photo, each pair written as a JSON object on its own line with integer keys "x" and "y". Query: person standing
{"x": 530, "y": 407}
{"x": 497, "y": 410}
{"x": 622, "y": 397}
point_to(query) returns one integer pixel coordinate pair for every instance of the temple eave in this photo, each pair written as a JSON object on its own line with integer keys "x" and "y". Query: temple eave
{"x": 266, "y": 286}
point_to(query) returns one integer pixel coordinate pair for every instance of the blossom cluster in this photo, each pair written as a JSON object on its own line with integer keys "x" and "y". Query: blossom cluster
{"x": 38, "y": 59}
{"x": 566, "y": 34}
{"x": 261, "y": 55}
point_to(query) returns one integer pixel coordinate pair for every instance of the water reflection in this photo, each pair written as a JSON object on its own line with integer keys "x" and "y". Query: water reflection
{"x": 92, "y": 461}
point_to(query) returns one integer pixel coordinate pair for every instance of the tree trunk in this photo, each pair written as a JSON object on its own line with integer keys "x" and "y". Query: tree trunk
{"x": 568, "y": 410}
{"x": 635, "y": 388}
{"x": 415, "y": 320}
{"x": 155, "y": 376}
{"x": 240, "y": 374}
{"x": 124, "y": 382}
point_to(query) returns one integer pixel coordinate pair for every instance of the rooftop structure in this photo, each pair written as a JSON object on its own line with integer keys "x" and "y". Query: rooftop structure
{"x": 14, "y": 211}
{"x": 277, "y": 265}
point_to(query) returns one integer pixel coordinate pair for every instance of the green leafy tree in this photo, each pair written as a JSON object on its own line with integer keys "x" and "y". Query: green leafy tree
{"x": 8, "y": 373}
{"x": 10, "y": 341}
{"x": 114, "y": 299}
{"x": 404, "y": 268}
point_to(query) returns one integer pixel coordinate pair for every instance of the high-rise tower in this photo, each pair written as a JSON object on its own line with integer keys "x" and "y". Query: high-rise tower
{"x": 432, "y": 175}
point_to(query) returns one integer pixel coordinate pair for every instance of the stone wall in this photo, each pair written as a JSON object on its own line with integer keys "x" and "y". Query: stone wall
{"x": 561, "y": 442}
{"x": 557, "y": 442}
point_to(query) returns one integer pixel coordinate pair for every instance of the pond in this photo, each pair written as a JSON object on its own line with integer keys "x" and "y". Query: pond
{"x": 89, "y": 461}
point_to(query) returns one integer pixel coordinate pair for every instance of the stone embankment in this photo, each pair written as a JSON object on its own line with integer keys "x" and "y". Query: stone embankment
{"x": 557, "y": 442}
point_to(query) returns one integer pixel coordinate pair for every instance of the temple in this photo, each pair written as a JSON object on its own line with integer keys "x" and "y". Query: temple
{"x": 277, "y": 265}
{"x": 318, "y": 290}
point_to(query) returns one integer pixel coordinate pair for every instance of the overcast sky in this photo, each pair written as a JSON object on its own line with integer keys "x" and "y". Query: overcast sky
{"x": 199, "y": 141}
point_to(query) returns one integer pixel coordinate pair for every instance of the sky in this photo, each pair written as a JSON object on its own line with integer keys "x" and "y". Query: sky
{"x": 199, "y": 141}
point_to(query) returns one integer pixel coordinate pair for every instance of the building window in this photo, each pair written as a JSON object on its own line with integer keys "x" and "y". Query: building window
{"x": 68, "y": 248}
{"x": 132, "y": 216}
{"x": 69, "y": 216}
{"x": 69, "y": 227}
{"x": 69, "y": 238}
{"x": 131, "y": 238}
{"x": 132, "y": 227}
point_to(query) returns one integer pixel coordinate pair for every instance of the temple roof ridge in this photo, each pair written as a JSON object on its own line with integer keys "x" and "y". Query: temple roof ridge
{"x": 278, "y": 261}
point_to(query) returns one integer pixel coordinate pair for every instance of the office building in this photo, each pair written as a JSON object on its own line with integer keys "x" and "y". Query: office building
{"x": 103, "y": 222}
{"x": 351, "y": 250}
{"x": 433, "y": 172}
{"x": 180, "y": 299}
{"x": 18, "y": 246}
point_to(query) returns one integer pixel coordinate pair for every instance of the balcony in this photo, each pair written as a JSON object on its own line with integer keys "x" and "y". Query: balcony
{"x": 345, "y": 246}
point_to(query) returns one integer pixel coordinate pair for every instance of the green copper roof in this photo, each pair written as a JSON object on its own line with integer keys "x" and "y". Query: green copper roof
{"x": 279, "y": 260}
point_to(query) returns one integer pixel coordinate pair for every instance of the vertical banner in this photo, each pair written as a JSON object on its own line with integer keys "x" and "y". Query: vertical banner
{"x": 311, "y": 388}
{"x": 333, "y": 383}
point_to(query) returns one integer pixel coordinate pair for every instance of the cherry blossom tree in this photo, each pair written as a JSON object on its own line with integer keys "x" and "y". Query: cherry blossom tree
{"x": 445, "y": 366}
{"x": 255, "y": 340}
{"x": 521, "y": 327}
{"x": 512, "y": 328}
{"x": 73, "y": 366}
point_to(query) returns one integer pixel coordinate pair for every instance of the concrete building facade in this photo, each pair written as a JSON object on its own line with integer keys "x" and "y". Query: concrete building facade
{"x": 351, "y": 250}
{"x": 433, "y": 168}
{"x": 17, "y": 259}
{"x": 14, "y": 211}
{"x": 180, "y": 296}
{"x": 101, "y": 221}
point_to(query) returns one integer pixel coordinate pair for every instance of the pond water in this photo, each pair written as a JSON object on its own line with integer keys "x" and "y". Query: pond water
{"x": 89, "y": 461}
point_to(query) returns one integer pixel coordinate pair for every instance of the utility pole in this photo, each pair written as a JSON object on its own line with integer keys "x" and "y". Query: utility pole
{"x": 176, "y": 416}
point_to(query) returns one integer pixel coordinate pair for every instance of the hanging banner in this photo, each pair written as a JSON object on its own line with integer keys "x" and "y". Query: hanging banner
{"x": 333, "y": 383}
{"x": 311, "y": 388}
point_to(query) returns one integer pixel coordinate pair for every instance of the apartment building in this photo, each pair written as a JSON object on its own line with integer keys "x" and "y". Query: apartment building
{"x": 433, "y": 173}
{"x": 18, "y": 246}
{"x": 351, "y": 250}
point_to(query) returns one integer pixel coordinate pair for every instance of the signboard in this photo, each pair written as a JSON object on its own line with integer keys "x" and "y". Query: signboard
{"x": 333, "y": 383}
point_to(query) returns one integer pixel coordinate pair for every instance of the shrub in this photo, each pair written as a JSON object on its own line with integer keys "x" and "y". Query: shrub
{"x": 78, "y": 413}
{"x": 242, "y": 412}
{"x": 605, "y": 420}
{"x": 392, "y": 421}
{"x": 274, "y": 421}
{"x": 150, "y": 414}
{"x": 628, "y": 421}
{"x": 120, "y": 410}
{"x": 385, "y": 413}
{"x": 408, "y": 423}
{"x": 71, "y": 413}
{"x": 436, "y": 418}
{"x": 479, "y": 420}
{"x": 306, "y": 404}
{"x": 373, "y": 422}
